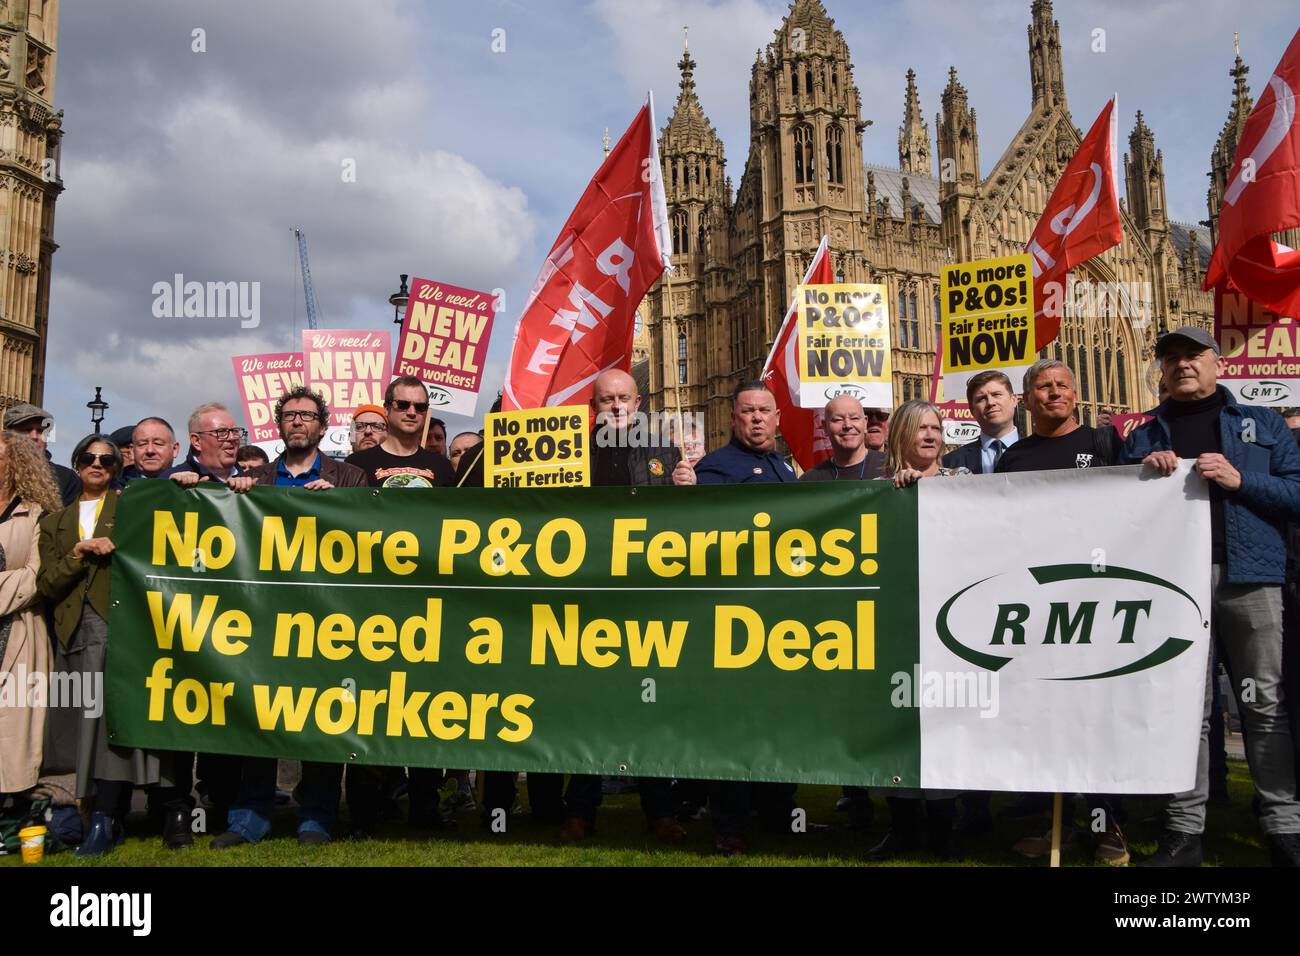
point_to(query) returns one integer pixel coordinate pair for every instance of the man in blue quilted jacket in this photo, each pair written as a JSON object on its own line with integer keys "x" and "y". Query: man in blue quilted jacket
{"x": 1251, "y": 462}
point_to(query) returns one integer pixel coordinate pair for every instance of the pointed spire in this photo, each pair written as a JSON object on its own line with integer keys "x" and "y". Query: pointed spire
{"x": 913, "y": 135}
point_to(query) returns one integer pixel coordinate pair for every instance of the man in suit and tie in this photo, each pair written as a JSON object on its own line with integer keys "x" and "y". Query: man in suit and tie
{"x": 992, "y": 401}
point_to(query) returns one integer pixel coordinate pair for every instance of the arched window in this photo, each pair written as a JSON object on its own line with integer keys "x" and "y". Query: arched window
{"x": 794, "y": 79}
{"x": 674, "y": 174}
{"x": 835, "y": 78}
{"x": 835, "y": 154}
{"x": 1082, "y": 372}
{"x": 681, "y": 233}
{"x": 805, "y": 170}
{"x": 1069, "y": 360}
{"x": 902, "y": 318}
{"x": 681, "y": 357}
{"x": 938, "y": 322}
{"x": 1099, "y": 377}
{"x": 807, "y": 80}
{"x": 708, "y": 173}
{"x": 699, "y": 237}
{"x": 1119, "y": 377}
{"x": 911, "y": 321}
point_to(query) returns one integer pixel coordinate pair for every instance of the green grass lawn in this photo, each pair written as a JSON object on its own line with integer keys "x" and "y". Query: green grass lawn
{"x": 1233, "y": 839}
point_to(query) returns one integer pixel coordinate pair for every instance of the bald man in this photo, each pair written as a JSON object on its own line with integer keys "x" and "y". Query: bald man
{"x": 845, "y": 422}
{"x": 617, "y": 457}
{"x": 620, "y": 456}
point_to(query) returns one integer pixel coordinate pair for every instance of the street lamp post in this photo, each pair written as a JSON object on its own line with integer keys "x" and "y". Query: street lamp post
{"x": 97, "y": 408}
{"x": 398, "y": 301}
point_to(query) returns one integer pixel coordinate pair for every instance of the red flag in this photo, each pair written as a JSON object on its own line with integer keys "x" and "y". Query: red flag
{"x": 1263, "y": 197}
{"x": 800, "y": 427}
{"x": 580, "y": 317}
{"x": 1081, "y": 220}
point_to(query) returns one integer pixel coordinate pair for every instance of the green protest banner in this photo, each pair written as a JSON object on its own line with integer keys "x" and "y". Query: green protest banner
{"x": 732, "y": 632}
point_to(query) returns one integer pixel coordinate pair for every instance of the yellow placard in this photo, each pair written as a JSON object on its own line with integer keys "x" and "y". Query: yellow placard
{"x": 538, "y": 448}
{"x": 844, "y": 344}
{"x": 987, "y": 312}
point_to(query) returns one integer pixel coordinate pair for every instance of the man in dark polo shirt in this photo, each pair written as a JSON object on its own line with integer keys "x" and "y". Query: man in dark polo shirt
{"x": 751, "y": 454}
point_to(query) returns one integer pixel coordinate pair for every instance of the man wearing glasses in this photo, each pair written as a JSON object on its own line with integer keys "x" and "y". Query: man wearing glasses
{"x": 214, "y": 443}
{"x": 302, "y": 416}
{"x": 877, "y": 428}
{"x": 398, "y": 461}
{"x": 369, "y": 427}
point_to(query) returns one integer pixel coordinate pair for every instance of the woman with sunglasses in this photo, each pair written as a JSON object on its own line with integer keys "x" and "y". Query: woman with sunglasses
{"x": 76, "y": 548}
{"x": 27, "y": 491}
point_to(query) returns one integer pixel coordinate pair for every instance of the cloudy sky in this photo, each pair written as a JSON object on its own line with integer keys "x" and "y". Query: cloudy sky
{"x": 468, "y": 160}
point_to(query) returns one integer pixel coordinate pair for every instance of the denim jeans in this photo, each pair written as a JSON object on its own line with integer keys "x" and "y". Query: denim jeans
{"x": 1247, "y": 621}
{"x": 250, "y": 816}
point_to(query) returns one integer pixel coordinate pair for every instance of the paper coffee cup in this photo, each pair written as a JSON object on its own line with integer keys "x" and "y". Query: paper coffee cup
{"x": 33, "y": 840}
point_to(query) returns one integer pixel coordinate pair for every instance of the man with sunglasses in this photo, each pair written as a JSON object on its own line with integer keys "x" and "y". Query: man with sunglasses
{"x": 398, "y": 461}
{"x": 877, "y": 428}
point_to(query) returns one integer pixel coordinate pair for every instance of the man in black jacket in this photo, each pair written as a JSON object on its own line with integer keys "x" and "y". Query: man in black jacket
{"x": 621, "y": 456}
{"x": 34, "y": 422}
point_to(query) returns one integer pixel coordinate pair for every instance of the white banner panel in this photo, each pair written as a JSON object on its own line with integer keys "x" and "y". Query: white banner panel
{"x": 1065, "y": 649}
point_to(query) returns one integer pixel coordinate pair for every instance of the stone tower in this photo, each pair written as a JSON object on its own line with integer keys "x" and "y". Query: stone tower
{"x": 694, "y": 175}
{"x": 1144, "y": 180}
{"x": 959, "y": 166}
{"x": 914, "y": 134}
{"x": 30, "y": 132}
{"x": 805, "y": 157}
{"x": 1047, "y": 78}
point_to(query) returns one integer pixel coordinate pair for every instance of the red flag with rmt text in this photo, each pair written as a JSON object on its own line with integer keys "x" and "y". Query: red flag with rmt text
{"x": 580, "y": 316}
{"x": 1081, "y": 220}
{"x": 800, "y": 427}
{"x": 1263, "y": 197}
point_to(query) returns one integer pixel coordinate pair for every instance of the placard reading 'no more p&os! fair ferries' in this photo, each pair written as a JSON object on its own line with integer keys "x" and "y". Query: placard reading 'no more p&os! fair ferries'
{"x": 444, "y": 342}
{"x": 844, "y": 344}
{"x": 987, "y": 312}
{"x": 538, "y": 448}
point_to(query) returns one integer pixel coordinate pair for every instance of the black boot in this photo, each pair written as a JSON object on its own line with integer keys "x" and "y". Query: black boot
{"x": 1286, "y": 849}
{"x": 102, "y": 836}
{"x": 1175, "y": 849}
{"x": 176, "y": 829}
{"x": 938, "y": 826}
{"x": 904, "y": 814}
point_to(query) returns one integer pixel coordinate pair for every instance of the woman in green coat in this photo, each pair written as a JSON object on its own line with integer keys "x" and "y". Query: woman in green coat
{"x": 76, "y": 546}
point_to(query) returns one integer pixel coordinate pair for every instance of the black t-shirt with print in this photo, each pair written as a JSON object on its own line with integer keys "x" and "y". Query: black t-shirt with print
{"x": 424, "y": 469}
{"x": 1084, "y": 447}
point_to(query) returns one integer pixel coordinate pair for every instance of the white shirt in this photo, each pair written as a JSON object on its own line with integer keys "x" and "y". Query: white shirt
{"x": 986, "y": 448}
{"x": 88, "y": 514}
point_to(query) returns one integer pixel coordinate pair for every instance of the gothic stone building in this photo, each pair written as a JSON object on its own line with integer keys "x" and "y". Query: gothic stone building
{"x": 739, "y": 254}
{"x": 30, "y": 132}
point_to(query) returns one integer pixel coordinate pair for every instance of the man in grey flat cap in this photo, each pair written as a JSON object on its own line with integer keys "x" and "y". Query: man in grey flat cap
{"x": 34, "y": 422}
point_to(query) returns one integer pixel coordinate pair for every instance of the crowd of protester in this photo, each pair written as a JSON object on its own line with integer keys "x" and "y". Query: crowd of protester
{"x": 56, "y": 560}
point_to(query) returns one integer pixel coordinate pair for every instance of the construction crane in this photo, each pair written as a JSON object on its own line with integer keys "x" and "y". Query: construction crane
{"x": 308, "y": 290}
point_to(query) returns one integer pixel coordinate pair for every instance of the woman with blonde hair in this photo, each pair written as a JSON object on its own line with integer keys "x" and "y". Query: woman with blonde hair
{"x": 912, "y": 452}
{"x": 26, "y": 493}
{"x": 915, "y": 444}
